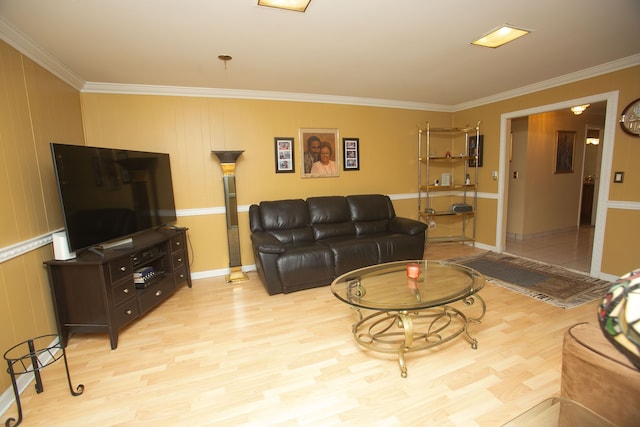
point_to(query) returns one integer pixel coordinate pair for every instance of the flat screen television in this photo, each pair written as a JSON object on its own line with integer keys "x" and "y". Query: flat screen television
{"x": 109, "y": 194}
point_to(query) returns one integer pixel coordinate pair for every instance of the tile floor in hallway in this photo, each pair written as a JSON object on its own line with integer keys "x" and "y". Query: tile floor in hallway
{"x": 571, "y": 250}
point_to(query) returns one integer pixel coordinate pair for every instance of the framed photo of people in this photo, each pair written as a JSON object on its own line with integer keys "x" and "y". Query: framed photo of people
{"x": 320, "y": 152}
{"x": 351, "y": 153}
{"x": 285, "y": 160}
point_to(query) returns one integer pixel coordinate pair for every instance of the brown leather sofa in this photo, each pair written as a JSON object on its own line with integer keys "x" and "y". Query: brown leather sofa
{"x": 599, "y": 377}
{"x": 300, "y": 244}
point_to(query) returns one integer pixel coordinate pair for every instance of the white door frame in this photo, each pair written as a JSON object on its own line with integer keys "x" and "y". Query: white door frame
{"x": 605, "y": 169}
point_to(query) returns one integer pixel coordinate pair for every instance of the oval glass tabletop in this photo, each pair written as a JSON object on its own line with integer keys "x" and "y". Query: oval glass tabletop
{"x": 407, "y": 285}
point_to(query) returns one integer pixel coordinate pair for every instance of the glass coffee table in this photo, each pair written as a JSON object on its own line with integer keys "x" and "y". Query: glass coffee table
{"x": 558, "y": 412}
{"x": 411, "y": 301}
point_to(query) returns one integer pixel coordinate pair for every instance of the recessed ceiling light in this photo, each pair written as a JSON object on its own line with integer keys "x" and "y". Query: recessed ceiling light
{"x": 297, "y": 5}
{"x": 502, "y": 35}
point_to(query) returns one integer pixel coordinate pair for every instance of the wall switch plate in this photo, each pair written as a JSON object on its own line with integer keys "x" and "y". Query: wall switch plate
{"x": 494, "y": 175}
{"x": 618, "y": 177}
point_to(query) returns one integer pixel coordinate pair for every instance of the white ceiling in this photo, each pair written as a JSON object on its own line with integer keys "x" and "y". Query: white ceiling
{"x": 407, "y": 51}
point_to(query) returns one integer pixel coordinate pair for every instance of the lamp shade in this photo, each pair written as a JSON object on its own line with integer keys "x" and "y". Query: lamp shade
{"x": 619, "y": 316}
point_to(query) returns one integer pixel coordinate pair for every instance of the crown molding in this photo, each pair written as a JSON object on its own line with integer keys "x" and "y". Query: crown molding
{"x": 97, "y": 87}
{"x": 598, "y": 70}
{"x": 24, "y": 45}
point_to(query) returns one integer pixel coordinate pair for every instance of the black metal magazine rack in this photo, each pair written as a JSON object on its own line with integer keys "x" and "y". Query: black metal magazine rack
{"x": 33, "y": 355}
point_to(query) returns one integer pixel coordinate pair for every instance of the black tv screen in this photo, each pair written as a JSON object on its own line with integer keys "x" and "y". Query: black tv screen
{"x": 109, "y": 194}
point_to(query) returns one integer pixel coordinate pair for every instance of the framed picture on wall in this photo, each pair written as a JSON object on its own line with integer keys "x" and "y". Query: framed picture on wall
{"x": 476, "y": 147}
{"x": 565, "y": 150}
{"x": 321, "y": 153}
{"x": 351, "y": 153}
{"x": 285, "y": 162}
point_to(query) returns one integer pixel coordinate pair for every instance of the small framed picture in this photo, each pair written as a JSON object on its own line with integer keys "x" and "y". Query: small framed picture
{"x": 320, "y": 153}
{"x": 285, "y": 162}
{"x": 565, "y": 148}
{"x": 476, "y": 146}
{"x": 351, "y": 153}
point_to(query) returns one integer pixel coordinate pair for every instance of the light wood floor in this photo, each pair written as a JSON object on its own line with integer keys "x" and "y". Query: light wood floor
{"x": 230, "y": 355}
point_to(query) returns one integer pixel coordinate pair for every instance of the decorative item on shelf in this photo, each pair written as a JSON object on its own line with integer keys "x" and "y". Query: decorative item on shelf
{"x": 467, "y": 180}
{"x": 447, "y": 154}
{"x": 446, "y": 179}
{"x": 436, "y": 183}
{"x": 461, "y": 208}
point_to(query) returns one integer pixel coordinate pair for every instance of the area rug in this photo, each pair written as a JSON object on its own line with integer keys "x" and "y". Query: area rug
{"x": 544, "y": 282}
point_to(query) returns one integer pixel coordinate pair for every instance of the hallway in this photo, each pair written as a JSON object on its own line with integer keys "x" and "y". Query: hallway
{"x": 571, "y": 250}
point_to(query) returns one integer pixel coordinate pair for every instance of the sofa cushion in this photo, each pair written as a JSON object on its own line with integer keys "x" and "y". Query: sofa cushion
{"x": 330, "y": 217}
{"x": 286, "y": 220}
{"x": 370, "y": 213}
{"x": 305, "y": 265}
{"x": 398, "y": 247}
{"x": 352, "y": 252}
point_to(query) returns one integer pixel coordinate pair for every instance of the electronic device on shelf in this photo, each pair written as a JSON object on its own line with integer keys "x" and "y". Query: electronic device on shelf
{"x": 144, "y": 256}
{"x": 108, "y": 195}
{"x": 144, "y": 276}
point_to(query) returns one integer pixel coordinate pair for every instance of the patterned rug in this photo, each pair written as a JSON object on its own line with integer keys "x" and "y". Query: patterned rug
{"x": 544, "y": 282}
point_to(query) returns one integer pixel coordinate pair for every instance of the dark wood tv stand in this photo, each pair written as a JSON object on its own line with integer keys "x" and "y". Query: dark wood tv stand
{"x": 97, "y": 292}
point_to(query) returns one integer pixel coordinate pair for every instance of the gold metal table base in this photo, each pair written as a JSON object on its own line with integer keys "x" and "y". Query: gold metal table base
{"x": 408, "y": 331}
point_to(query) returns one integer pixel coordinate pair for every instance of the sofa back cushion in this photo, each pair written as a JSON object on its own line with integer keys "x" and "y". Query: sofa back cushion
{"x": 286, "y": 220}
{"x": 370, "y": 213}
{"x": 330, "y": 217}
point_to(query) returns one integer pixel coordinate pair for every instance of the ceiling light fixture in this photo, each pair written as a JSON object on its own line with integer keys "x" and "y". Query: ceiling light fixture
{"x": 296, "y": 5}
{"x": 225, "y": 59}
{"x": 579, "y": 109}
{"x": 500, "y": 36}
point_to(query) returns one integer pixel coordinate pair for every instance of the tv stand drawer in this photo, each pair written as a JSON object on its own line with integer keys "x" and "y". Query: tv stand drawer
{"x": 127, "y": 312}
{"x": 155, "y": 294}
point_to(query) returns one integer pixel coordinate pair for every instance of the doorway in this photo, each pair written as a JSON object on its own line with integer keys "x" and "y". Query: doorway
{"x": 509, "y": 120}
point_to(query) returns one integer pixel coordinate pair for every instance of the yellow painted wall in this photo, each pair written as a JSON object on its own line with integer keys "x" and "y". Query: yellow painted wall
{"x": 35, "y": 108}
{"x": 190, "y": 128}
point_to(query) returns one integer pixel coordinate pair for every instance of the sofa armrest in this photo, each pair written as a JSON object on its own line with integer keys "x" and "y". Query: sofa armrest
{"x": 406, "y": 226}
{"x": 598, "y": 376}
{"x": 266, "y": 243}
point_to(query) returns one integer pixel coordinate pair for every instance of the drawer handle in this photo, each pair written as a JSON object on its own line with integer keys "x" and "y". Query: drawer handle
{"x": 123, "y": 268}
{"x": 126, "y": 290}
{"x": 182, "y": 276}
{"x": 177, "y": 243}
{"x": 159, "y": 292}
{"x": 179, "y": 259}
{"x": 129, "y": 311}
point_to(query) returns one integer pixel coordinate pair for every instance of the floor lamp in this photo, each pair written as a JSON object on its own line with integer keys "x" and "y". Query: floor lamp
{"x": 228, "y": 160}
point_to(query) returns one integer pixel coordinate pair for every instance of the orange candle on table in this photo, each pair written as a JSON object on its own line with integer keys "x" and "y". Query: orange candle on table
{"x": 413, "y": 270}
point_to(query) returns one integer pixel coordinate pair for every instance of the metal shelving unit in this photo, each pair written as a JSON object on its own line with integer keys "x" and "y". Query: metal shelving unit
{"x": 448, "y": 183}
